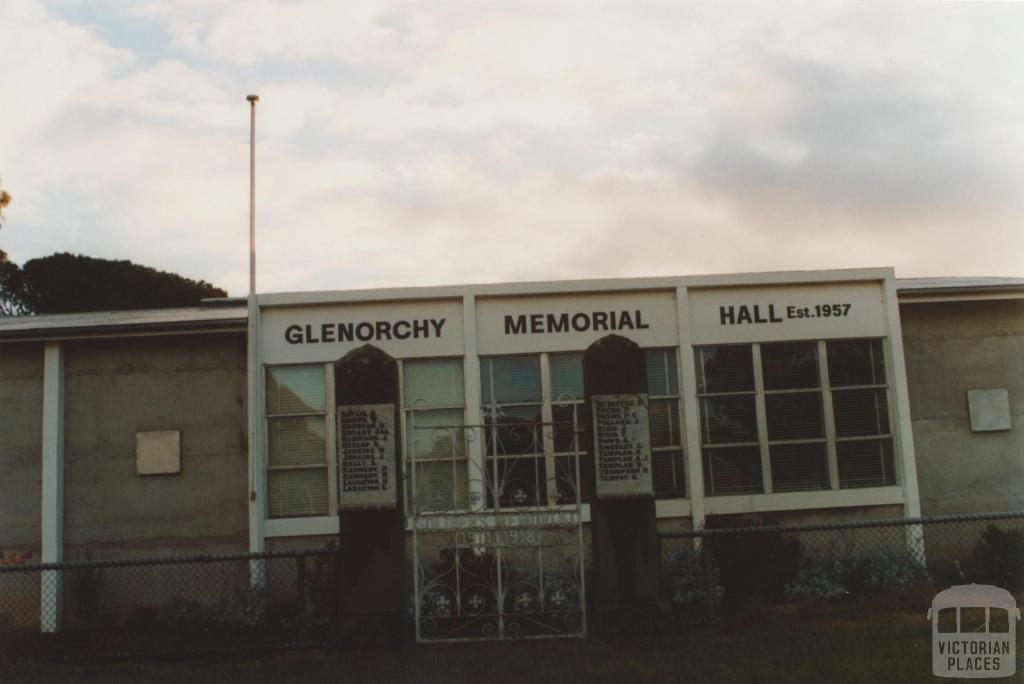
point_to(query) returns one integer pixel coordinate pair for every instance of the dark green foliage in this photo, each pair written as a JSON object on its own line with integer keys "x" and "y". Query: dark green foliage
{"x": 756, "y": 564}
{"x": 66, "y": 283}
{"x": 11, "y": 287}
{"x": 880, "y": 571}
{"x": 1000, "y": 556}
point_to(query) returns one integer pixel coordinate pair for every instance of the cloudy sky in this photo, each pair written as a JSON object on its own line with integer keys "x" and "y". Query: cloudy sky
{"x": 404, "y": 143}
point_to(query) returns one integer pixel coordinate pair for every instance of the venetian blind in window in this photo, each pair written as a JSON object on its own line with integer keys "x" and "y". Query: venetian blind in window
{"x": 726, "y": 392}
{"x": 860, "y": 404}
{"x": 666, "y": 427}
{"x": 436, "y": 446}
{"x": 297, "y": 477}
{"x": 797, "y": 445}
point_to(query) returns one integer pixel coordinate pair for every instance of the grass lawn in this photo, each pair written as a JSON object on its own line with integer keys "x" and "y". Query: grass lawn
{"x": 787, "y": 648}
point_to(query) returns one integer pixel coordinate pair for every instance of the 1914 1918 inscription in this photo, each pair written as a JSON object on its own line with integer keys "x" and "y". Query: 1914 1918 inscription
{"x": 622, "y": 439}
{"x": 366, "y": 446}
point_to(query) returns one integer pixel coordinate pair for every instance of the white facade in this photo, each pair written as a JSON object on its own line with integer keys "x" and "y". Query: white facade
{"x": 687, "y": 318}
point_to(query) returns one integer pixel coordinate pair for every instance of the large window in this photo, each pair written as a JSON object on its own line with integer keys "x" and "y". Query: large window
{"x": 861, "y": 407}
{"x": 436, "y": 444}
{"x": 536, "y": 422}
{"x": 666, "y": 424}
{"x": 516, "y": 466}
{"x": 569, "y": 417}
{"x": 794, "y": 416}
{"x": 297, "y": 449}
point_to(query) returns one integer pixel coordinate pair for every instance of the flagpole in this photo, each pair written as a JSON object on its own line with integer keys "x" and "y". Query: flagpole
{"x": 256, "y": 476}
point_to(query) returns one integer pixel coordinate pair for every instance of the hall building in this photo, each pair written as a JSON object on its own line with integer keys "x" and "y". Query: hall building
{"x": 790, "y": 397}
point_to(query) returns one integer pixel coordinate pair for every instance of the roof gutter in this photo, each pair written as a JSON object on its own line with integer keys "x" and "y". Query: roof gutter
{"x": 127, "y": 330}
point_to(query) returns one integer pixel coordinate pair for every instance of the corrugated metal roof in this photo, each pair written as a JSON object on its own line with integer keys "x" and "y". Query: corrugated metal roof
{"x": 49, "y": 325}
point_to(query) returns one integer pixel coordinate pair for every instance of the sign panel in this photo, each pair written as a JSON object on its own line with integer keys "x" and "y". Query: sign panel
{"x": 782, "y": 313}
{"x": 496, "y": 521}
{"x": 622, "y": 446}
{"x": 309, "y": 334}
{"x": 507, "y": 325}
{"x": 366, "y": 454}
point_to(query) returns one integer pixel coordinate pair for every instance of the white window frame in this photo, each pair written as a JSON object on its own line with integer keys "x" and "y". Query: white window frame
{"x": 330, "y": 439}
{"x": 408, "y": 441}
{"x": 828, "y": 414}
{"x": 680, "y": 423}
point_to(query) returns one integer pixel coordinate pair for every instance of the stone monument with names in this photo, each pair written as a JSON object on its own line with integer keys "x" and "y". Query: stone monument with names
{"x": 372, "y": 602}
{"x": 366, "y": 456}
{"x": 622, "y": 445}
{"x": 627, "y": 595}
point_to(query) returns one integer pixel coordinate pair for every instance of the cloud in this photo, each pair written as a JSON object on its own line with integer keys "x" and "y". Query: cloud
{"x": 407, "y": 143}
{"x": 875, "y": 144}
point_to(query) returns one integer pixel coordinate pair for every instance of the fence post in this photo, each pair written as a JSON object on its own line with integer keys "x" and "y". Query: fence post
{"x": 257, "y": 589}
{"x": 50, "y": 600}
{"x": 915, "y": 543}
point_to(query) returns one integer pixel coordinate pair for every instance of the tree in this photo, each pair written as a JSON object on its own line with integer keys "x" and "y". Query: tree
{"x": 5, "y": 199}
{"x": 10, "y": 274}
{"x": 65, "y": 283}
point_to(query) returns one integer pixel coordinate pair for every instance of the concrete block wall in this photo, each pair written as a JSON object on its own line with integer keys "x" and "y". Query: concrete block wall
{"x": 116, "y": 388}
{"x": 21, "y": 411}
{"x": 953, "y": 347}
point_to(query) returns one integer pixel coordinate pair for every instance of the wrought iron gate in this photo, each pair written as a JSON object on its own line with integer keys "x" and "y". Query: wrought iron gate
{"x": 497, "y": 531}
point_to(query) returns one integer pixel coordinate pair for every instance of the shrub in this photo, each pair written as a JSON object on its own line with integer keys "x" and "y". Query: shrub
{"x": 880, "y": 571}
{"x": 820, "y": 580}
{"x": 758, "y": 564}
{"x": 887, "y": 570}
{"x": 690, "y": 575}
{"x": 1000, "y": 556}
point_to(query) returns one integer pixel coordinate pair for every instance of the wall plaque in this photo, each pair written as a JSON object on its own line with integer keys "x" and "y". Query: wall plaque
{"x": 622, "y": 446}
{"x": 366, "y": 450}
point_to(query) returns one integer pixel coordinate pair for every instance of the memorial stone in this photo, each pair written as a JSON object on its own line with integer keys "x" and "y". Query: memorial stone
{"x": 627, "y": 594}
{"x": 372, "y": 603}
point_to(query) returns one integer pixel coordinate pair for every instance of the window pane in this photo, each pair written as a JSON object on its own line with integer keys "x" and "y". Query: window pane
{"x": 440, "y": 486}
{"x": 662, "y": 378}
{"x": 668, "y": 473}
{"x": 518, "y": 482}
{"x": 296, "y": 441}
{"x": 435, "y": 382}
{"x": 297, "y": 492}
{"x": 865, "y": 463}
{"x": 725, "y": 369}
{"x": 799, "y": 467}
{"x": 570, "y": 422}
{"x": 518, "y": 430}
{"x": 566, "y": 377}
{"x": 861, "y": 412}
{"x": 856, "y": 362}
{"x": 565, "y": 479}
{"x": 510, "y": 379}
{"x": 794, "y": 416}
{"x": 437, "y": 434}
{"x": 733, "y": 470}
{"x": 295, "y": 389}
{"x": 664, "y": 415}
{"x": 790, "y": 365}
{"x": 728, "y": 419}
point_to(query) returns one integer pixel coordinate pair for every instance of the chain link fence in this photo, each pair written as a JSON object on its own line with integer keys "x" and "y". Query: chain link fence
{"x": 172, "y": 604}
{"x": 892, "y": 563}
{"x": 209, "y": 603}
